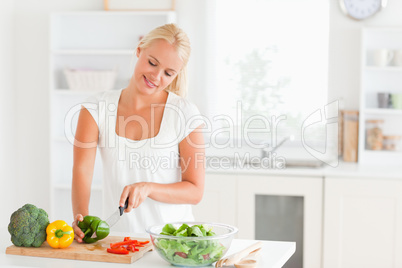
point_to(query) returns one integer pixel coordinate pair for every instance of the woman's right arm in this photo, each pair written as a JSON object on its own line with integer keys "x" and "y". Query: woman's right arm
{"x": 86, "y": 140}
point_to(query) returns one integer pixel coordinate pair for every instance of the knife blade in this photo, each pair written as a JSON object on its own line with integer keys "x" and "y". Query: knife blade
{"x": 115, "y": 217}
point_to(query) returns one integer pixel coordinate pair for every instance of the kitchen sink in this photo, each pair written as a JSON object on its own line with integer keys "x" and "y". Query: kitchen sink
{"x": 224, "y": 162}
{"x": 299, "y": 163}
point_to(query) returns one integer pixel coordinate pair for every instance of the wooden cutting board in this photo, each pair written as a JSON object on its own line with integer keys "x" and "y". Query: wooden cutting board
{"x": 86, "y": 252}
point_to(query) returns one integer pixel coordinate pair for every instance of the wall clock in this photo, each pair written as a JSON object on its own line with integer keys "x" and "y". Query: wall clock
{"x": 362, "y": 9}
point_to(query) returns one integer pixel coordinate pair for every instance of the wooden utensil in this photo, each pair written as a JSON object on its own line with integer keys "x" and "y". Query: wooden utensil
{"x": 235, "y": 258}
{"x": 86, "y": 252}
{"x": 249, "y": 261}
{"x": 246, "y": 264}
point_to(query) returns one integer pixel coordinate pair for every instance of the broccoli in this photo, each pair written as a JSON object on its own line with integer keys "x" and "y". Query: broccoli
{"x": 28, "y": 226}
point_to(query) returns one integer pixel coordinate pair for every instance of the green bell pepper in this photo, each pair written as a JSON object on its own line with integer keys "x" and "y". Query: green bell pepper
{"x": 92, "y": 224}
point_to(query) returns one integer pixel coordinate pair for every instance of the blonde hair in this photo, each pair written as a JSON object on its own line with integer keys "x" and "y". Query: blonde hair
{"x": 177, "y": 37}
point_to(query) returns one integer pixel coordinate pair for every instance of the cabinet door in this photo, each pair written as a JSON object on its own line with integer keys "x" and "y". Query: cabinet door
{"x": 283, "y": 191}
{"x": 219, "y": 201}
{"x": 362, "y": 223}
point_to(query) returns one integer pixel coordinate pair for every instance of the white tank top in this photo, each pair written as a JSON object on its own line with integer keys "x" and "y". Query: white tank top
{"x": 156, "y": 159}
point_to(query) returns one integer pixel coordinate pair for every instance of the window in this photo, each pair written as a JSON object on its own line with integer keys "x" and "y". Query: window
{"x": 270, "y": 65}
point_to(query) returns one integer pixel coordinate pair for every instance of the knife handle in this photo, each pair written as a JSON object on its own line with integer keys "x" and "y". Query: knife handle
{"x": 123, "y": 208}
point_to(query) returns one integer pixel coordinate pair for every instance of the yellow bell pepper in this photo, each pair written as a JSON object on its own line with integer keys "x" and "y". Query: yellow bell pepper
{"x": 59, "y": 234}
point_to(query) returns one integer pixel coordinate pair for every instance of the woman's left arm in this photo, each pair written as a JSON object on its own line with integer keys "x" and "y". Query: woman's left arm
{"x": 188, "y": 191}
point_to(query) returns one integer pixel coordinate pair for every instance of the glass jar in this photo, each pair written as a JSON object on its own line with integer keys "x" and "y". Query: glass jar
{"x": 374, "y": 135}
{"x": 392, "y": 143}
{"x": 350, "y": 135}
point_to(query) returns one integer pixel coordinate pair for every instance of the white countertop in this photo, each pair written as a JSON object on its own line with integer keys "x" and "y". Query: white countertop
{"x": 343, "y": 169}
{"x": 273, "y": 254}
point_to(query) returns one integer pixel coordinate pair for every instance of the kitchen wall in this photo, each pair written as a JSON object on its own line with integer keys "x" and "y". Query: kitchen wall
{"x": 31, "y": 92}
{"x": 7, "y": 111}
{"x": 24, "y": 81}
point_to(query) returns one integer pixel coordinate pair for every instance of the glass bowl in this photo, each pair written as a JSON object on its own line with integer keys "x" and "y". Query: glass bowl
{"x": 191, "y": 250}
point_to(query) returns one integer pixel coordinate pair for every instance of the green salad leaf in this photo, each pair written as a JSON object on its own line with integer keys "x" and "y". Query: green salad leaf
{"x": 189, "y": 252}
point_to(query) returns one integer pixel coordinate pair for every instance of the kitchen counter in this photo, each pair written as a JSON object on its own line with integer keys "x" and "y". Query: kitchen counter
{"x": 343, "y": 169}
{"x": 273, "y": 254}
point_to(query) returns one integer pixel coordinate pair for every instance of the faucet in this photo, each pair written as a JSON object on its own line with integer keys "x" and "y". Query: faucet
{"x": 266, "y": 151}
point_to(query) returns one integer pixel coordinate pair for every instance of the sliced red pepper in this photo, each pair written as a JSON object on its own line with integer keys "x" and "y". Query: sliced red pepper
{"x": 181, "y": 254}
{"x": 206, "y": 257}
{"x": 120, "y": 250}
{"x": 129, "y": 242}
{"x": 118, "y": 244}
{"x": 128, "y": 245}
{"x": 131, "y": 247}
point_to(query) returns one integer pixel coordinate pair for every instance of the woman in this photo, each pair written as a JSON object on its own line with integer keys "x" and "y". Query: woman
{"x": 149, "y": 139}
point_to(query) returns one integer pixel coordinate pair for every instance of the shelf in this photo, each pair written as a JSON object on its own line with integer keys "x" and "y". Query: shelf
{"x": 114, "y": 13}
{"x": 103, "y": 52}
{"x": 382, "y": 29}
{"x": 69, "y": 92}
{"x": 375, "y": 79}
{"x": 382, "y": 158}
{"x": 379, "y": 111}
{"x": 68, "y": 187}
{"x": 383, "y": 154}
{"x": 385, "y": 69}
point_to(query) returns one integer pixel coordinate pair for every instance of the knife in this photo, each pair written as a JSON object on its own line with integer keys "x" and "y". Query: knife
{"x": 115, "y": 217}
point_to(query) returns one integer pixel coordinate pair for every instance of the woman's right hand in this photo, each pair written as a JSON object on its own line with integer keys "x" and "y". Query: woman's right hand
{"x": 78, "y": 234}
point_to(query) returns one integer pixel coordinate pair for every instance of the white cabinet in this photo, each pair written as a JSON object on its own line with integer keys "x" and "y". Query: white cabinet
{"x": 342, "y": 221}
{"x": 268, "y": 207}
{"x": 96, "y": 40}
{"x": 378, "y": 77}
{"x": 362, "y": 223}
{"x": 219, "y": 203}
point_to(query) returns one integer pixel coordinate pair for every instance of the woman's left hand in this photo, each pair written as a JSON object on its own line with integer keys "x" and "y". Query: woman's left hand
{"x": 136, "y": 193}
